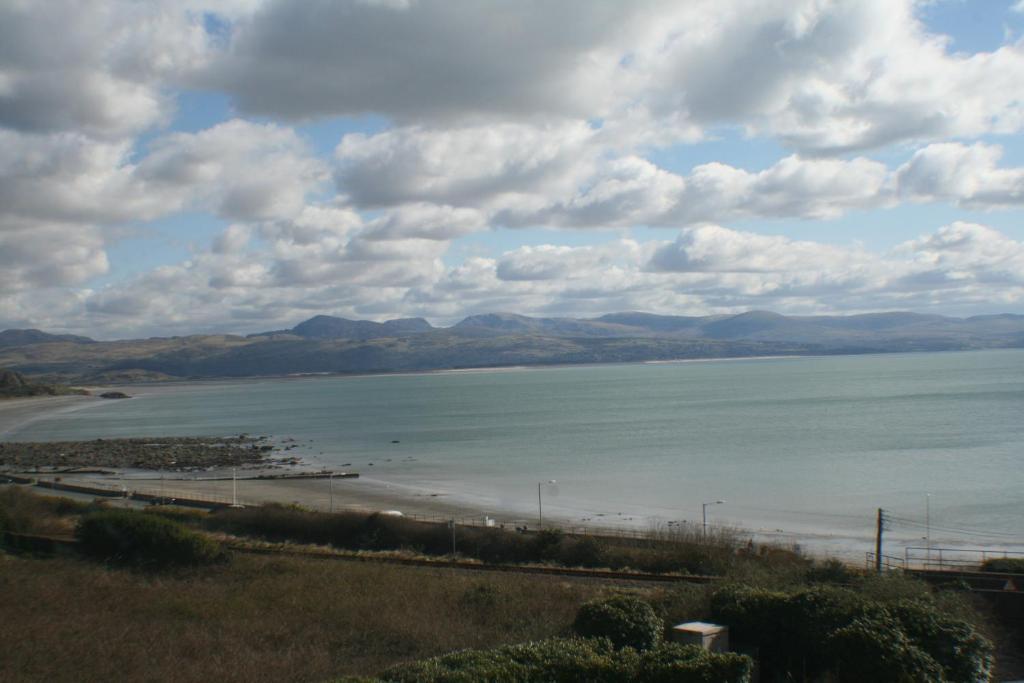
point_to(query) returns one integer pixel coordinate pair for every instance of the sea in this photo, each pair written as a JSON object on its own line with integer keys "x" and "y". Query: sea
{"x": 797, "y": 450}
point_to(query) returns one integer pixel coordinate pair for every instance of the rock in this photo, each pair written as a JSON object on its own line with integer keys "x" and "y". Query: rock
{"x": 114, "y": 394}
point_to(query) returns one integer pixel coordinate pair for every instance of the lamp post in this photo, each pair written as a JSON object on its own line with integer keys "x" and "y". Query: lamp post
{"x": 704, "y": 514}
{"x": 540, "y": 506}
{"x": 928, "y": 524}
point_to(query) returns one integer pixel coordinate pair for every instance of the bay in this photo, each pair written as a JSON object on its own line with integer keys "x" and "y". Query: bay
{"x": 798, "y": 448}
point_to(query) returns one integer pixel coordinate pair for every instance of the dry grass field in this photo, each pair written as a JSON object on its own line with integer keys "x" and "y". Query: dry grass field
{"x": 260, "y": 619}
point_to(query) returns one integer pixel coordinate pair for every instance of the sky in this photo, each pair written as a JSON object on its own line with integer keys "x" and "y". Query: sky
{"x": 177, "y": 167}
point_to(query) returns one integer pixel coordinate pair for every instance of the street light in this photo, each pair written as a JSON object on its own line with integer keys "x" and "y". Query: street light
{"x": 928, "y": 523}
{"x": 540, "y": 506}
{"x": 704, "y": 514}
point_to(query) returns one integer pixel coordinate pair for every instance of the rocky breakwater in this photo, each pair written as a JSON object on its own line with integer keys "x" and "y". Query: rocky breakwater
{"x": 180, "y": 453}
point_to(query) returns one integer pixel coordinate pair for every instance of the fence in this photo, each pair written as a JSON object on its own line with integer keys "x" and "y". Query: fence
{"x": 952, "y": 558}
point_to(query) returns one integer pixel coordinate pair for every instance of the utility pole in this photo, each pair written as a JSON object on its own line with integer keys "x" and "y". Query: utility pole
{"x": 451, "y": 525}
{"x": 330, "y": 480}
{"x": 234, "y": 487}
{"x": 879, "y": 528}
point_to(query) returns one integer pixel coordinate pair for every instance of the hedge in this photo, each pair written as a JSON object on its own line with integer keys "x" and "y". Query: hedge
{"x": 142, "y": 540}
{"x": 1004, "y": 565}
{"x": 594, "y": 660}
{"x": 826, "y": 630}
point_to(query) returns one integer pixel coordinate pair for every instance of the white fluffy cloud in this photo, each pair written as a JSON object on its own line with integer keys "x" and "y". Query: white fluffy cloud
{"x": 967, "y": 175}
{"x": 428, "y": 60}
{"x": 822, "y": 76}
{"x": 461, "y": 165}
{"x": 706, "y": 269}
{"x": 94, "y": 67}
{"x": 494, "y": 117}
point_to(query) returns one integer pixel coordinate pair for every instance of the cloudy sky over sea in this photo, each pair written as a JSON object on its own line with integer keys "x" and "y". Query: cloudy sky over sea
{"x": 173, "y": 167}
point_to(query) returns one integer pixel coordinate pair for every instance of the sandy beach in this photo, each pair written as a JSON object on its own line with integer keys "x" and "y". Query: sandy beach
{"x": 18, "y": 412}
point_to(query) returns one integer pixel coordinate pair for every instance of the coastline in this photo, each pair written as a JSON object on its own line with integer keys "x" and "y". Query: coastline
{"x": 373, "y": 495}
{"x": 426, "y": 490}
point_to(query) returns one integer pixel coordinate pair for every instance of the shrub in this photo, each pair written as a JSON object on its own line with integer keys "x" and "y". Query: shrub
{"x": 583, "y": 552}
{"x": 831, "y": 571}
{"x": 572, "y": 660}
{"x": 547, "y": 660}
{"x": 674, "y": 663}
{"x": 547, "y": 544}
{"x": 963, "y": 653}
{"x": 1005, "y": 565}
{"x": 876, "y": 649}
{"x": 624, "y": 620}
{"x": 826, "y": 629}
{"x": 142, "y": 540}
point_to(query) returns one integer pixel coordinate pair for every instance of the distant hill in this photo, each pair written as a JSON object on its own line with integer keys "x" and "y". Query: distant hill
{"x": 327, "y": 344}
{"x": 330, "y": 327}
{"x": 23, "y": 337}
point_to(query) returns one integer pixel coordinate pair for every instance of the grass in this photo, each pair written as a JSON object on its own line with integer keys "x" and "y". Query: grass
{"x": 272, "y": 619}
{"x": 286, "y": 618}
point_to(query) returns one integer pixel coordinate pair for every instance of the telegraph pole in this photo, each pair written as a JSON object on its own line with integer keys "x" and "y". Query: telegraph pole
{"x": 879, "y": 528}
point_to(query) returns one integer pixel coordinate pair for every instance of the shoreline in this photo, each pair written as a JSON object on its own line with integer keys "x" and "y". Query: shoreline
{"x": 422, "y": 490}
{"x": 368, "y": 495}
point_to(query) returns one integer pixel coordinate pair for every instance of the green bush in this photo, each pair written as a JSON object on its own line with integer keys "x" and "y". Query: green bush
{"x": 356, "y": 531}
{"x": 624, "y": 620}
{"x": 141, "y": 540}
{"x": 1004, "y": 565}
{"x": 674, "y": 663}
{"x": 831, "y": 571}
{"x": 575, "y": 660}
{"x": 583, "y": 552}
{"x": 877, "y": 649}
{"x": 567, "y": 660}
{"x": 812, "y": 631}
{"x": 964, "y": 654}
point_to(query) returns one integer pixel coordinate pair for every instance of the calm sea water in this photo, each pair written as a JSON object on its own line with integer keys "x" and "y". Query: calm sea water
{"x": 803, "y": 445}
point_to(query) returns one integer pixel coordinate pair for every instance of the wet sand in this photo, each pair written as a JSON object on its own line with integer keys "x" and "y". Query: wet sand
{"x": 18, "y": 412}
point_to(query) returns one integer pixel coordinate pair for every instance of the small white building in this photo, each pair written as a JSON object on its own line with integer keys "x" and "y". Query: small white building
{"x": 712, "y": 637}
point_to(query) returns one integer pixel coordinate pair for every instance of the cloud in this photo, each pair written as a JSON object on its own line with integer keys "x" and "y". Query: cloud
{"x": 460, "y": 166}
{"x": 425, "y": 60}
{"x": 35, "y": 254}
{"x": 95, "y": 68}
{"x": 550, "y": 262}
{"x": 425, "y": 221}
{"x": 825, "y": 77}
{"x": 714, "y": 249}
{"x": 965, "y": 174}
{"x": 241, "y": 170}
{"x": 707, "y": 269}
{"x": 527, "y": 115}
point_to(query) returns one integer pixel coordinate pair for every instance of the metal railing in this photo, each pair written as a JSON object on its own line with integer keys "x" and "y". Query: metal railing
{"x": 964, "y": 559}
{"x": 888, "y": 562}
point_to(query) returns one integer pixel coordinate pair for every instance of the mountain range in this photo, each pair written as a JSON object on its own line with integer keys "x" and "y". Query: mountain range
{"x": 327, "y": 344}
